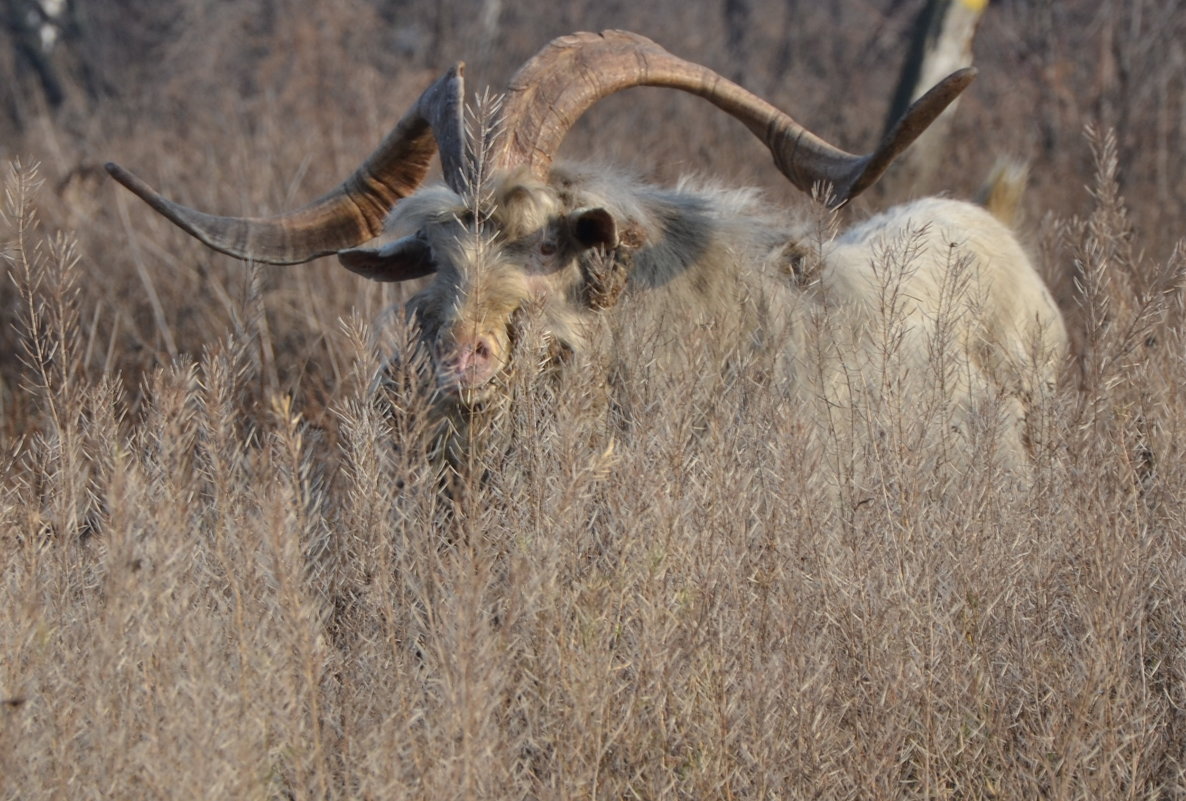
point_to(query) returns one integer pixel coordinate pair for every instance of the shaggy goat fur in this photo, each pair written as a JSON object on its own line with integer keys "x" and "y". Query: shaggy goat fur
{"x": 932, "y": 299}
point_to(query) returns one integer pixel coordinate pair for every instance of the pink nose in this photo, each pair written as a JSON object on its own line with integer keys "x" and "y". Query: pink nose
{"x": 470, "y": 362}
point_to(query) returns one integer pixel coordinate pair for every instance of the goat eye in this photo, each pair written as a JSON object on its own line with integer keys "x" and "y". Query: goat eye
{"x": 547, "y": 248}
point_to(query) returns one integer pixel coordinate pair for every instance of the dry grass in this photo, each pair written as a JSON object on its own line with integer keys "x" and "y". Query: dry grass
{"x": 229, "y": 573}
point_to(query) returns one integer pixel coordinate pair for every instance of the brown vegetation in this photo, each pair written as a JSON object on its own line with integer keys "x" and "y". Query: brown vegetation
{"x": 227, "y": 573}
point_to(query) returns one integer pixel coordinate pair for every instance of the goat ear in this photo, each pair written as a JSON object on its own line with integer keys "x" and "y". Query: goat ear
{"x": 401, "y": 260}
{"x": 594, "y": 228}
{"x": 609, "y": 254}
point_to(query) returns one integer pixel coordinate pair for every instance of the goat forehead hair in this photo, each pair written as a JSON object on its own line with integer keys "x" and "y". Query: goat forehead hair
{"x": 523, "y": 204}
{"x": 518, "y": 203}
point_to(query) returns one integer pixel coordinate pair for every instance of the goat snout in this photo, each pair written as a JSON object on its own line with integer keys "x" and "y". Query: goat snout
{"x": 469, "y": 362}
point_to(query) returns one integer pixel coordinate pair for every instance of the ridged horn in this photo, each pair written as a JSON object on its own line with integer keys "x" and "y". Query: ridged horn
{"x": 552, "y": 90}
{"x": 354, "y": 212}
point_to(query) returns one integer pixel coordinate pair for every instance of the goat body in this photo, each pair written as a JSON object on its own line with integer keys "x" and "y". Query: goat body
{"x": 933, "y": 295}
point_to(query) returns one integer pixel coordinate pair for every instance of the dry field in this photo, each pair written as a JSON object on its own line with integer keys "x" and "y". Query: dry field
{"x": 227, "y": 572}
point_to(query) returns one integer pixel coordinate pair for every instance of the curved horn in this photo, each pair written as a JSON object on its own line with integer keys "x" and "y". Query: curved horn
{"x": 350, "y": 214}
{"x": 552, "y": 90}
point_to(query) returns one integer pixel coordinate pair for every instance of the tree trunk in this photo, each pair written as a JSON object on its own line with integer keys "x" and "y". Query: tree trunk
{"x": 941, "y": 44}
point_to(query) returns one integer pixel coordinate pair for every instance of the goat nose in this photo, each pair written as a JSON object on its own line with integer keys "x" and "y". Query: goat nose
{"x": 471, "y": 361}
{"x": 472, "y": 354}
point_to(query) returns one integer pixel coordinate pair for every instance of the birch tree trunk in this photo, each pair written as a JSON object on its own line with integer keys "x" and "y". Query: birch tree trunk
{"x": 941, "y": 44}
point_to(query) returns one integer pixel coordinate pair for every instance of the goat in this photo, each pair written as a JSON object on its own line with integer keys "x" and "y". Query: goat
{"x": 586, "y": 247}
